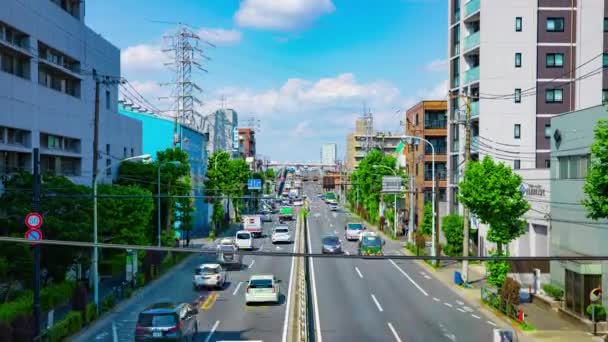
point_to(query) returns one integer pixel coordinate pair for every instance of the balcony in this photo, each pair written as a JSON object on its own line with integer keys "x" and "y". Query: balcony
{"x": 475, "y": 109}
{"x": 471, "y": 75}
{"x": 471, "y": 41}
{"x": 441, "y": 174}
{"x": 471, "y": 7}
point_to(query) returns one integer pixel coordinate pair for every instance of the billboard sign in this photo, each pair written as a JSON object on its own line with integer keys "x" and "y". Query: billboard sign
{"x": 391, "y": 184}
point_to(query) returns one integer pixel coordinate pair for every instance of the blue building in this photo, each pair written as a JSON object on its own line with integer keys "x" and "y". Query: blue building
{"x": 157, "y": 133}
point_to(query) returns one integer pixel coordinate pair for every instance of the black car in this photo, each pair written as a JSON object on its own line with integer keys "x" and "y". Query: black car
{"x": 167, "y": 322}
{"x": 331, "y": 245}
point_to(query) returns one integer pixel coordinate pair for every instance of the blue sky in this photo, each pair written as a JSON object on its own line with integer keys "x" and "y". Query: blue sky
{"x": 304, "y": 68}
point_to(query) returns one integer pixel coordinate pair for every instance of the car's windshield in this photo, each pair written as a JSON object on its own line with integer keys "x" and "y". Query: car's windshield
{"x": 243, "y": 236}
{"x": 157, "y": 320}
{"x": 331, "y": 240}
{"x": 371, "y": 241}
{"x": 281, "y": 230}
{"x": 260, "y": 283}
{"x": 227, "y": 248}
{"x": 354, "y": 226}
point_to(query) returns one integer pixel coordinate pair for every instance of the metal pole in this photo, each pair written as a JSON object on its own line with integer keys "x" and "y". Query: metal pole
{"x": 36, "y": 247}
{"x": 395, "y": 219}
{"x": 158, "y": 205}
{"x": 410, "y": 233}
{"x": 95, "y": 255}
{"x": 466, "y": 213}
{"x": 433, "y": 252}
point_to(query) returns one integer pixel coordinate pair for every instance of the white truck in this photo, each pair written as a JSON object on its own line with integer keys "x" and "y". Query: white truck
{"x": 253, "y": 224}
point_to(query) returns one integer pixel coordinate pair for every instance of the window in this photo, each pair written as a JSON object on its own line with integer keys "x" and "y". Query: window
{"x": 548, "y": 131}
{"x": 604, "y": 96}
{"x": 605, "y": 24}
{"x": 518, "y": 24}
{"x": 416, "y": 120}
{"x": 554, "y": 95}
{"x": 547, "y": 163}
{"x": 554, "y": 60}
{"x": 516, "y": 164}
{"x": 132, "y": 152}
{"x": 555, "y": 24}
{"x": 108, "y": 168}
{"x": 518, "y": 59}
{"x": 107, "y": 149}
{"x": 518, "y": 95}
{"x": 563, "y": 167}
{"x": 416, "y": 169}
{"x": 517, "y": 131}
{"x": 124, "y": 152}
{"x": 573, "y": 167}
{"x": 108, "y": 104}
{"x": 605, "y": 60}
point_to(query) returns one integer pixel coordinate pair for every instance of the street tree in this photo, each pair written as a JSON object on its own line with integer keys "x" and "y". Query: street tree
{"x": 596, "y": 182}
{"x": 427, "y": 219}
{"x": 452, "y": 226}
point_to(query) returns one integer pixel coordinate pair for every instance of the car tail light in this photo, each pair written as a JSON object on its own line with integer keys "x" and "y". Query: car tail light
{"x": 217, "y": 277}
{"x": 248, "y": 288}
{"x": 175, "y": 328}
{"x": 273, "y": 290}
{"x": 139, "y": 330}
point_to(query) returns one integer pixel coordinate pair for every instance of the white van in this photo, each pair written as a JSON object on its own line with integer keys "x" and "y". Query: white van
{"x": 243, "y": 240}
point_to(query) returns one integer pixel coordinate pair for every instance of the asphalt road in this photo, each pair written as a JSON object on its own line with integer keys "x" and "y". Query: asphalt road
{"x": 382, "y": 300}
{"x": 224, "y": 315}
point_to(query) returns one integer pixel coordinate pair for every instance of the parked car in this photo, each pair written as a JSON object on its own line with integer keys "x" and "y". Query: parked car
{"x": 261, "y": 289}
{"x": 228, "y": 256}
{"x": 352, "y": 231}
{"x": 281, "y": 234}
{"x": 167, "y": 321}
{"x": 244, "y": 240}
{"x": 209, "y": 276}
{"x": 331, "y": 245}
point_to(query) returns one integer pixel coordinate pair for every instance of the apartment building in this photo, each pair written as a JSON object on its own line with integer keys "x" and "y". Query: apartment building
{"x": 329, "y": 153}
{"x": 359, "y": 142}
{"x": 521, "y": 62}
{"x": 427, "y": 120}
{"x": 246, "y": 142}
{"x": 47, "y": 59}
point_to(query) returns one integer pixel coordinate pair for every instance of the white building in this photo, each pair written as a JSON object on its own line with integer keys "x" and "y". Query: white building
{"x": 47, "y": 59}
{"x": 329, "y": 153}
{"x": 520, "y": 61}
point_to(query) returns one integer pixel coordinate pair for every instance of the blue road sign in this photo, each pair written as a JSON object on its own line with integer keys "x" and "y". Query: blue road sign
{"x": 254, "y": 184}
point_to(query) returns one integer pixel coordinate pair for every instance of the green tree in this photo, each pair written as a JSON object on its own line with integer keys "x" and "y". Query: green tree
{"x": 452, "y": 226}
{"x": 270, "y": 175}
{"x": 238, "y": 173}
{"x": 427, "y": 219}
{"x": 492, "y": 192}
{"x": 596, "y": 183}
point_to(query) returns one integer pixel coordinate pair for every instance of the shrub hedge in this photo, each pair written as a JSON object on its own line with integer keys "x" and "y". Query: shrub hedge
{"x": 553, "y": 291}
{"x": 70, "y": 324}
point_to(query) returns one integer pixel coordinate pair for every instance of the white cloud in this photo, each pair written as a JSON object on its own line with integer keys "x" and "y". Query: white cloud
{"x": 219, "y": 36}
{"x": 437, "y": 65}
{"x": 142, "y": 57}
{"x": 281, "y": 15}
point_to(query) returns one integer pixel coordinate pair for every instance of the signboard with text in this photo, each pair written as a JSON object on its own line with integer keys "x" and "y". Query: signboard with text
{"x": 254, "y": 184}
{"x": 391, "y": 184}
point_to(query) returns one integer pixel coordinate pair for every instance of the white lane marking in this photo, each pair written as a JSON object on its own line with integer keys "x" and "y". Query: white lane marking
{"x": 213, "y": 329}
{"x": 251, "y": 265}
{"x": 427, "y": 277}
{"x": 491, "y": 323}
{"x": 237, "y": 288}
{"x": 288, "y": 308}
{"x": 114, "y": 332}
{"x": 347, "y": 252}
{"x": 447, "y": 304}
{"x": 331, "y": 224}
{"x": 422, "y": 273}
{"x": 436, "y": 299}
{"x": 466, "y": 308}
{"x": 475, "y": 316}
{"x": 377, "y": 303}
{"x": 409, "y": 278}
{"x": 459, "y": 302}
{"x": 358, "y": 272}
{"x": 459, "y": 309}
{"x": 390, "y": 326}
{"x": 314, "y": 290}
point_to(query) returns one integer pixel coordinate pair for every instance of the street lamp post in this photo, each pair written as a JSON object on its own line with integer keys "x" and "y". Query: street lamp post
{"x": 410, "y": 139}
{"x": 95, "y": 248}
{"x": 395, "y": 200}
{"x": 160, "y": 165}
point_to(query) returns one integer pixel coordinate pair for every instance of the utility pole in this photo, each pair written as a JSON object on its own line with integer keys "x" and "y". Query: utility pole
{"x": 412, "y": 147}
{"x": 96, "y": 125}
{"x": 467, "y": 156}
{"x": 36, "y": 208}
{"x": 436, "y": 213}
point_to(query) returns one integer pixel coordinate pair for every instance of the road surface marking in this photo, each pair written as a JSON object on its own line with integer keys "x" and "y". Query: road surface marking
{"x": 459, "y": 302}
{"x": 467, "y": 308}
{"x": 491, "y": 323}
{"x": 331, "y": 225}
{"x": 390, "y": 326}
{"x": 377, "y": 304}
{"x": 287, "y": 309}
{"x": 213, "y": 329}
{"x": 347, "y": 252}
{"x": 436, "y": 299}
{"x": 409, "y": 278}
{"x": 447, "y": 304}
{"x": 314, "y": 291}
{"x": 114, "y": 332}
{"x": 237, "y": 288}
{"x": 251, "y": 265}
{"x": 459, "y": 309}
{"x": 358, "y": 272}
{"x": 427, "y": 277}
{"x": 475, "y": 316}
{"x": 422, "y": 273}
{"x": 208, "y": 304}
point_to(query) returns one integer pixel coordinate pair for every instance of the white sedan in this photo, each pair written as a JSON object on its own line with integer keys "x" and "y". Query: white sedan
{"x": 298, "y": 203}
{"x": 281, "y": 234}
{"x": 209, "y": 275}
{"x": 262, "y": 289}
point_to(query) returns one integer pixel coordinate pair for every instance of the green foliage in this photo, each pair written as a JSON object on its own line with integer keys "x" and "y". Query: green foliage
{"x": 553, "y": 291}
{"x": 90, "y": 313}
{"x": 108, "y": 303}
{"x": 69, "y": 325}
{"x": 228, "y": 177}
{"x": 141, "y": 280}
{"x": 509, "y": 292}
{"x": 55, "y": 295}
{"x": 596, "y": 183}
{"x": 427, "y": 219}
{"x": 420, "y": 244}
{"x": 452, "y": 227}
{"x": 270, "y": 175}
{"x": 492, "y": 192}
{"x": 14, "y": 308}
{"x": 600, "y": 312}
{"x": 497, "y": 271}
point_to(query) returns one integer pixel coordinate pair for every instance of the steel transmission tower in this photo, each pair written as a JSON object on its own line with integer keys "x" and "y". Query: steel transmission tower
{"x": 368, "y": 118}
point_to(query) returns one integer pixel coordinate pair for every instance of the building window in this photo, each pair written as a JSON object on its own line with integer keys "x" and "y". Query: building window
{"x": 108, "y": 149}
{"x": 132, "y": 152}
{"x": 124, "y": 152}
{"x": 547, "y": 163}
{"x": 518, "y": 95}
{"x": 517, "y": 131}
{"x": 518, "y": 24}
{"x": 554, "y": 95}
{"x": 518, "y": 59}
{"x": 548, "y": 131}
{"x": 573, "y": 167}
{"x": 554, "y": 60}
{"x": 108, "y": 100}
{"x": 516, "y": 164}
{"x": 416, "y": 169}
{"x": 555, "y": 24}
{"x": 605, "y": 60}
{"x": 416, "y": 120}
{"x": 108, "y": 168}
{"x": 605, "y": 24}
{"x": 604, "y": 96}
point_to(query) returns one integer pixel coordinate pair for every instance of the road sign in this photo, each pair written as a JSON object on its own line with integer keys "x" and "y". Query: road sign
{"x": 391, "y": 184}
{"x": 595, "y": 294}
{"x": 33, "y": 234}
{"x": 33, "y": 220}
{"x": 254, "y": 184}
